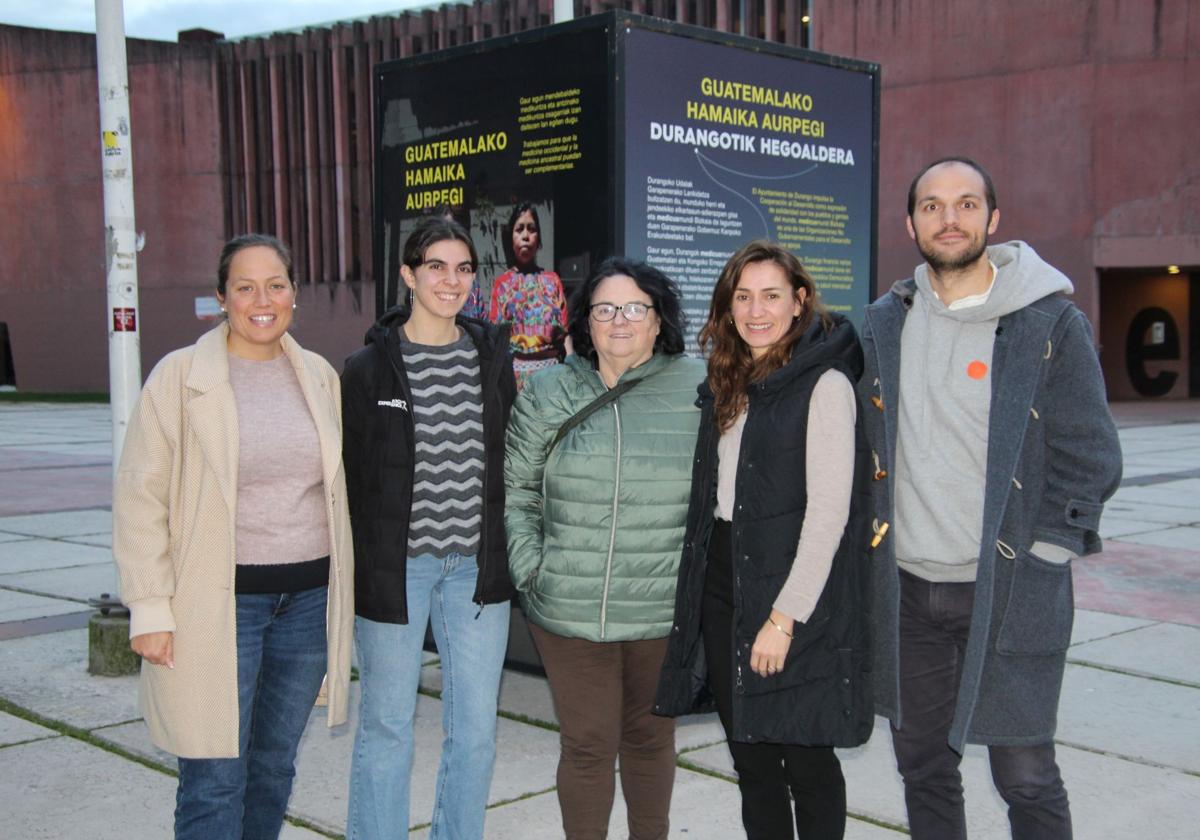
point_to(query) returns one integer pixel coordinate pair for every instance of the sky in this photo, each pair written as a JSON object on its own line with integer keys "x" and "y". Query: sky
{"x": 162, "y": 19}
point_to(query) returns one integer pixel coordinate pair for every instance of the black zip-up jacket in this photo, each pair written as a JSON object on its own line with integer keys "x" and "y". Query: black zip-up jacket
{"x": 822, "y": 697}
{"x": 379, "y": 451}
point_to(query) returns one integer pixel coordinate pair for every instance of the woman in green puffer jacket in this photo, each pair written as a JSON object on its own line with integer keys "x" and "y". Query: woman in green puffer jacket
{"x": 595, "y": 519}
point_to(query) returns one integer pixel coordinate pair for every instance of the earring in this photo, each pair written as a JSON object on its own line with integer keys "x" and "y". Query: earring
{"x": 222, "y": 308}
{"x": 293, "y": 306}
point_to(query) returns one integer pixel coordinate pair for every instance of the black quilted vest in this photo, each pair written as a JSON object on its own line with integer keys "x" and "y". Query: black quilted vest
{"x": 823, "y": 695}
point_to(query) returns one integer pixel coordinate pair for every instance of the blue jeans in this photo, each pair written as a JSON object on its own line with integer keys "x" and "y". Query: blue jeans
{"x": 281, "y": 662}
{"x": 935, "y": 619}
{"x": 471, "y": 641}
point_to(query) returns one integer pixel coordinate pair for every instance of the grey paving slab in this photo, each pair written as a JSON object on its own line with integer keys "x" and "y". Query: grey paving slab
{"x": 1183, "y": 537}
{"x": 35, "y": 555}
{"x": 8, "y": 538}
{"x": 1090, "y": 625}
{"x": 1112, "y": 798}
{"x": 48, "y": 674}
{"x": 14, "y": 730}
{"x": 696, "y": 731}
{"x": 1181, "y": 495}
{"x": 103, "y": 540}
{"x": 18, "y": 606}
{"x": 1125, "y": 507}
{"x": 526, "y": 756}
{"x": 1114, "y": 527}
{"x": 135, "y": 738}
{"x": 61, "y": 524}
{"x": 526, "y": 759}
{"x": 80, "y": 582}
{"x": 701, "y": 807}
{"x": 522, "y": 694}
{"x": 64, "y": 788}
{"x": 1130, "y": 716}
{"x": 1170, "y": 651}
{"x": 873, "y": 789}
{"x": 1163, "y": 465}
{"x": 1181, "y": 438}
{"x": 91, "y": 449}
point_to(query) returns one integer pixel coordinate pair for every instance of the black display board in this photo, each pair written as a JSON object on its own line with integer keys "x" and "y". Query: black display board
{"x": 725, "y": 145}
{"x": 666, "y": 143}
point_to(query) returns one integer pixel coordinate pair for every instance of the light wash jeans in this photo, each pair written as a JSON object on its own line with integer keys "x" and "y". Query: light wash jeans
{"x": 471, "y": 641}
{"x": 281, "y": 661}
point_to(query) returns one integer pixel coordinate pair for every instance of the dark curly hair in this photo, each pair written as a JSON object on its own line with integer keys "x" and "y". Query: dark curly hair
{"x": 663, "y": 292}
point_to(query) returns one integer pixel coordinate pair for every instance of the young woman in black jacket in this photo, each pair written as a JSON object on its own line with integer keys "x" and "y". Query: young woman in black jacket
{"x": 425, "y": 406}
{"x": 772, "y": 588}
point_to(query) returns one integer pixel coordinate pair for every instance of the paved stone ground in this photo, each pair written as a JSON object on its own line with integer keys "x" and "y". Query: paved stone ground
{"x": 75, "y": 760}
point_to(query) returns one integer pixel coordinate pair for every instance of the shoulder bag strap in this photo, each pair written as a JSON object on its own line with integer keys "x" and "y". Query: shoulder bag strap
{"x": 591, "y": 408}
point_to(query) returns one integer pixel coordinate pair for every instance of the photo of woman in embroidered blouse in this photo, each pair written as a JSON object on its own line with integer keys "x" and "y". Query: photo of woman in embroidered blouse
{"x": 529, "y": 297}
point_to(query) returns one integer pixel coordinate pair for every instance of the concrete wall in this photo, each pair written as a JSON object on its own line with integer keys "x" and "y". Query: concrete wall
{"x": 1084, "y": 111}
{"x": 52, "y": 293}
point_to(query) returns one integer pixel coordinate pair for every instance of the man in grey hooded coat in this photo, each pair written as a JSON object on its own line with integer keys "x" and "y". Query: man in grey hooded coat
{"x": 995, "y": 451}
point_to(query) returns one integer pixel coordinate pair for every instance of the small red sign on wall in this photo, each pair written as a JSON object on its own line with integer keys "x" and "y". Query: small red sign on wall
{"x": 124, "y": 319}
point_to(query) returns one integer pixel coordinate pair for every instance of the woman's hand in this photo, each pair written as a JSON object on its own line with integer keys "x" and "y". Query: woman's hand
{"x": 771, "y": 645}
{"x": 155, "y": 648}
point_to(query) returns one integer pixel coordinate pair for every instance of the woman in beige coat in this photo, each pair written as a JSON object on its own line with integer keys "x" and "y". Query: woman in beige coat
{"x": 232, "y": 539}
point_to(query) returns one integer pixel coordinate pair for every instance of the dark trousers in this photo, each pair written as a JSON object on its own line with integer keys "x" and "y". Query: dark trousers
{"x": 603, "y": 695}
{"x": 769, "y": 775}
{"x": 934, "y": 621}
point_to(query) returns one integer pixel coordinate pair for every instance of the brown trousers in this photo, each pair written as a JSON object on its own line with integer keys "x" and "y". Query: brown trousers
{"x": 603, "y": 695}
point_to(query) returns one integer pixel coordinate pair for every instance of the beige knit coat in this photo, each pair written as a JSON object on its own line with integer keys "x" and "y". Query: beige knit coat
{"x": 174, "y": 505}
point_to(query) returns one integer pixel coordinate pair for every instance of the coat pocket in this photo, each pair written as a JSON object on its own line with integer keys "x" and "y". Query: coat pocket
{"x": 1041, "y": 607}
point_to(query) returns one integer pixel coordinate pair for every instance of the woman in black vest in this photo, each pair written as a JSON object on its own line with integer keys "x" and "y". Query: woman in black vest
{"x": 772, "y": 592}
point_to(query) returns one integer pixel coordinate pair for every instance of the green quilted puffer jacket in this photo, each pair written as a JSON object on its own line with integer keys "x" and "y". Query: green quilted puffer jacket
{"x": 595, "y": 528}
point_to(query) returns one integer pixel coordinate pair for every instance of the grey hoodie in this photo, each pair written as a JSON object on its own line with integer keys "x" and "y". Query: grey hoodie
{"x": 945, "y": 403}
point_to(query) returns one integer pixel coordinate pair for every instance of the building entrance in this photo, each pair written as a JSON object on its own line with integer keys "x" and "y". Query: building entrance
{"x": 1150, "y": 332}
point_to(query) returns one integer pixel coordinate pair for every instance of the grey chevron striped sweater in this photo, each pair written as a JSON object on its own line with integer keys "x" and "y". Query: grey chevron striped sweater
{"x": 447, "y": 501}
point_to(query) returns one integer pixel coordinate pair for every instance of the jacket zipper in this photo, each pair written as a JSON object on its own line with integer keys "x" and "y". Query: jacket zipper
{"x": 612, "y": 533}
{"x": 391, "y": 352}
{"x": 486, "y": 387}
{"x": 735, "y": 567}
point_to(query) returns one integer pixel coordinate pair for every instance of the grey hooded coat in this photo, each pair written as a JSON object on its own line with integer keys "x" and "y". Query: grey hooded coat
{"x": 1053, "y": 458}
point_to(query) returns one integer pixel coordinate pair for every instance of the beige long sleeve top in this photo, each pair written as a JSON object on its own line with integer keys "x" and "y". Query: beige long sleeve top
{"x": 829, "y": 467}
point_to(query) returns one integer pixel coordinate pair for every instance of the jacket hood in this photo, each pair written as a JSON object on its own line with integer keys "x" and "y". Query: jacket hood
{"x": 817, "y": 347}
{"x": 484, "y": 334}
{"x": 1022, "y": 277}
{"x": 377, "y": 333}
{"x": 838, "y": 346}
{"x": 586, "y": 367}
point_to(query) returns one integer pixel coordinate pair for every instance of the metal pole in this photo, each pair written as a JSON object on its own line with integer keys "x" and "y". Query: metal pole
{"x": 564, "y": 10}
{"x": 120, "y": 234}
{"x": 106, "y": 635}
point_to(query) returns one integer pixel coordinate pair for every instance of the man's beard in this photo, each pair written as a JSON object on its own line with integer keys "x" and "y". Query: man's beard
{"x": 942, "y": 265}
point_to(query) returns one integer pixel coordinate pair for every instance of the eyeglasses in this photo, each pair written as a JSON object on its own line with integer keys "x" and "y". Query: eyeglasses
{"x": 463, "y": 271}
{"x": 632, "y": 311}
